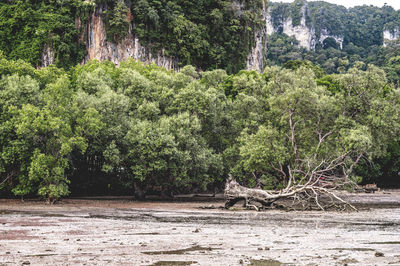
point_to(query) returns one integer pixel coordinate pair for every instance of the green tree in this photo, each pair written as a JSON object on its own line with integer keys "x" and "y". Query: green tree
{"x": 312, "y": 132}
{"x": 27, "y": 27}
{"x": 393, "y": 71}
{"x": 52, "y": 129}
{"x": 118, "y": 24}
{"x": 15, "y": 152}
{"x": 170, "y": 153}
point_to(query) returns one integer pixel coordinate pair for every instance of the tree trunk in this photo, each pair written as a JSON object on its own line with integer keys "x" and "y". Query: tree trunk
{"x": 139, "y": 193}
{"x": 234, "y": 193}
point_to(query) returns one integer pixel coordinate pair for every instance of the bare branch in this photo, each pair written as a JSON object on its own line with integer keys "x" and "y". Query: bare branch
{"x": 292, "y": 138}
{"x": 11, "y": 174}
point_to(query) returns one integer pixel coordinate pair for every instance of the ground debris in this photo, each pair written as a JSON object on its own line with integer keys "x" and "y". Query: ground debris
{"x": 178, "y": 251}
{"x": 379, "y": 254}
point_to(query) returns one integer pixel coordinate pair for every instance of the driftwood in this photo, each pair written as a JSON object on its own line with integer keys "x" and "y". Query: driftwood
{"x": 293, "y": 197}
{"x": 368, "y": 188}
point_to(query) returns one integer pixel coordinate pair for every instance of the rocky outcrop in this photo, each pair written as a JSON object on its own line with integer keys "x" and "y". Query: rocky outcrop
{"x": 325, "y": 34}
{"x": 100, "y": 48}
{"x": 255, "y": 59}
{"x": 47, "y": 57}
{"x": 390, "y": 35}
{"x": 304, "y": 34}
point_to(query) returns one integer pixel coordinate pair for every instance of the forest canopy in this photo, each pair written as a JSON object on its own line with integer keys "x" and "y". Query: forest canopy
{"x": 103, "y": 129}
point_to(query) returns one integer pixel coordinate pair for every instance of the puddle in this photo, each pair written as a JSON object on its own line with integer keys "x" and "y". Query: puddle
{"x": 386, "y": 243}
{"x": 177, "y": 251}
{"x": 353, "y": 249}
{"x": 212, "y": 218}
{"x": 172, "y": 263}
{"x": 31, "y": 213}
{"x": 348, "y": 261}
{"x": 142, "y": 234}
{"x": 265, "y": 263}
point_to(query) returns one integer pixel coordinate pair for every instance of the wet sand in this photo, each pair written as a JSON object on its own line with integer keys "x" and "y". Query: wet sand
{"x": 122, "y": 232}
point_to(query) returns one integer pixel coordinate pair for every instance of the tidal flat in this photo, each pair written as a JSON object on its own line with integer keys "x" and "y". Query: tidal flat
{"x": 123, "y": 232}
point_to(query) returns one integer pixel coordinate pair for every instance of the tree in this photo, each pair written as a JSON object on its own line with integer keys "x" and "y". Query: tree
{"x": 100, "y": 167}
{"x": 393, "y": 71}
{"x": 47, "y": 133}
{"x": 330, "y": 42}
{"x": 170, "y": 153}
{"x": 15, "y": 92}
{"x": 118, "y": 24}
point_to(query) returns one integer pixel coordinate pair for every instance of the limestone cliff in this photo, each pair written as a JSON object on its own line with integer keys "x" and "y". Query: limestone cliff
{"x": 298, "y": 20}
{"x": 47, "y": 57}
{"x": 255, "y": 59}
{"x": 325, "y": 34}
{"x": 304, "y": 34}
{"x": 100, "y": 48}
{"x": 390, "y": 35}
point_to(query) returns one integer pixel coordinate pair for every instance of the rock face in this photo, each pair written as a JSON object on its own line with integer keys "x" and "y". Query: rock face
{"x": 47, "y": 57}
{"x": 255, "y": 60}
{"x": 304, "y": 34}
{"x": 98, "y": 47}
{"x": 390, "y": 35}
{"x": 325, "y": 34}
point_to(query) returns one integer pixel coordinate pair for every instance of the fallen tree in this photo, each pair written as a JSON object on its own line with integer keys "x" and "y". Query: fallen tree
{"x": 306, "y": 196}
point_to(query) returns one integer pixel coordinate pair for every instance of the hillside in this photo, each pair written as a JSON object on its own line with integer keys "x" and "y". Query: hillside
{"x": 226, "y": 34}
{"x": 329, "y": 35}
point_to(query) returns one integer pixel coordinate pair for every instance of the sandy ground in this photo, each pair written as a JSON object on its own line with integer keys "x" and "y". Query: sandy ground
{"x": 94, "y": 232}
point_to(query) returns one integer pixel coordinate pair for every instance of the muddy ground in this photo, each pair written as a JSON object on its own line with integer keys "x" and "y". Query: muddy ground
{"x": 124, "y": 232}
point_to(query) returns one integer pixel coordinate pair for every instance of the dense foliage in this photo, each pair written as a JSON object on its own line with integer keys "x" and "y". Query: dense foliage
{"x": 27, "y": 27}
{"x": 102, "y": 129}
{"x": 207, "y": 34}
{"x": 361, "y": 29}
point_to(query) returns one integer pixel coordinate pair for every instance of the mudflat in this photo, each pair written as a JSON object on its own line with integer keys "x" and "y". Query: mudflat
{"x": 125, "y": 232}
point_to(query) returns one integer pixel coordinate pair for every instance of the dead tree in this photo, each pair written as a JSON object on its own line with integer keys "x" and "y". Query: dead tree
{"x": 315, "y": 190}
{"x": 310, "y": 183}
{"x": 296, "y": 197}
